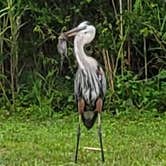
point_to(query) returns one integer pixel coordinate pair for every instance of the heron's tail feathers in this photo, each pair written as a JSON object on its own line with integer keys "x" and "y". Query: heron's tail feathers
{"x": 89, "y": 118}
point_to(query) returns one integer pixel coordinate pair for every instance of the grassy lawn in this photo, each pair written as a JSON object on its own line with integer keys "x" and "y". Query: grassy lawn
{"x": 129, "y": 139}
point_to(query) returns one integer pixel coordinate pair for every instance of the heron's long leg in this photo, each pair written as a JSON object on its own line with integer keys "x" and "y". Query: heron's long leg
{"x": 100, "y": 136}
{"x": 78, "y": 138}
{"x": 99, "y": 105}
{"x": 81, "y": 107}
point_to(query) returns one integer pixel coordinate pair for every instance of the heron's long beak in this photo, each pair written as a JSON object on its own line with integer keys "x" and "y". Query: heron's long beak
{"x": 72, "y": 32}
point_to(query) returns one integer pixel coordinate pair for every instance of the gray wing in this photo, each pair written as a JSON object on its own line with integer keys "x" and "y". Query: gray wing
{"x": 77, "y": 83}
{"x": 102, "y": 79}
{"x": 84, "y": 86}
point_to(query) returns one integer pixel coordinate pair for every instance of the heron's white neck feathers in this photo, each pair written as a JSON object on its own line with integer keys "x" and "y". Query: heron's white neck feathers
{"x": 82, "y": 59}
{"x": 79, "y": 53}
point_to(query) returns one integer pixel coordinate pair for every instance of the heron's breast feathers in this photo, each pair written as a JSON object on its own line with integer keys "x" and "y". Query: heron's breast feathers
{"x": 89, "y": 84}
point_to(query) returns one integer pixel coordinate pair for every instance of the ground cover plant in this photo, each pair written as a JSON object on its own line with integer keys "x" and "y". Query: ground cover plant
{"x": 129, "y": 139}
{"x": 129, "y": 44}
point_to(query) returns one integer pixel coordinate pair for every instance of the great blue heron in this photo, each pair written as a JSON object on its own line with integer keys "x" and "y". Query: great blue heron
{"x": 90, "y": 82}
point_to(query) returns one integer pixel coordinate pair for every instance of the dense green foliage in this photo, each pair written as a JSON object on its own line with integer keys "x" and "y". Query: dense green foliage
{"x": 131, "y": 139}
{"x": 130, "y": 44}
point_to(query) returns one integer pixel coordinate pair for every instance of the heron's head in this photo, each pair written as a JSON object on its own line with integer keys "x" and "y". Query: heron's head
{"x": 84, "y": 32}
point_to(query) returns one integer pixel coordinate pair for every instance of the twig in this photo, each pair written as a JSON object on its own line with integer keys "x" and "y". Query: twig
{"x": 93, "y": 149}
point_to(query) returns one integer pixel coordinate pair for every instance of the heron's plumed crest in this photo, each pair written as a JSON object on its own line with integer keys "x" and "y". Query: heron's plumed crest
{"x": 84, "y": 24}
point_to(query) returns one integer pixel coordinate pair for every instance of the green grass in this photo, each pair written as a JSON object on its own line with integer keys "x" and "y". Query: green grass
{"x": 129, "y": 139}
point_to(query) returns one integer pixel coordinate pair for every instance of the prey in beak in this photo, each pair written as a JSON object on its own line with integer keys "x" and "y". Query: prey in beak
{"x": 62, "y": 40}
{"x": 62, "y": 44}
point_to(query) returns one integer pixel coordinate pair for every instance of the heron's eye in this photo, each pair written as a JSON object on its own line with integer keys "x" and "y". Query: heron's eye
{"x": 85, "y": 32}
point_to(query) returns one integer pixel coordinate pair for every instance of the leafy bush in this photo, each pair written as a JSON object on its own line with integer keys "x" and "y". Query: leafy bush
{"x": 132, "y": 93}
{"x": 30, "y": 78}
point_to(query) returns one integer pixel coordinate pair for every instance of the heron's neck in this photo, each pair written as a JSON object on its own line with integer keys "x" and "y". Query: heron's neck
{"x": 80, "y": 54}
